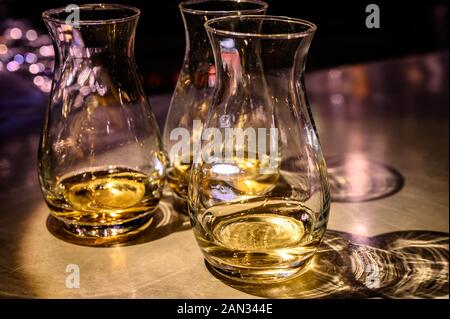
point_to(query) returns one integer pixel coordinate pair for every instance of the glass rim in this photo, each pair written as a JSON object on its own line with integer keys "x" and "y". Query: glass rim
{"x": 183, "y": 7}
{"x": 283, "y": 35}
{"x": 48, "y": 15}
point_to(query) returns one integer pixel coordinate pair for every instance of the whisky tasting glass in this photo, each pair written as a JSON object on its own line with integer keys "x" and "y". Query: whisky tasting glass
{"x": 101, "y": 164}
{"x": 259, "y": 196}
{"x": 195, "y": 85}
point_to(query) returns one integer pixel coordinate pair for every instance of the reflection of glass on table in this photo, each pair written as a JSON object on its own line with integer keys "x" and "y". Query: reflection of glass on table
{"x": 355, "y": 178}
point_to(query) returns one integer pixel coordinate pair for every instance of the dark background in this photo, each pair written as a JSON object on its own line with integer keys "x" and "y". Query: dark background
{"x": 406, "y": 28}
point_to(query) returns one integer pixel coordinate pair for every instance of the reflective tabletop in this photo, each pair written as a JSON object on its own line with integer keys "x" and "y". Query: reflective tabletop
{"x": 383, "y": 127}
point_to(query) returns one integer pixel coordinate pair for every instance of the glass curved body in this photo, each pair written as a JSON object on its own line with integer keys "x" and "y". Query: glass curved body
{"x": 259, "y": 196}
{"x": 195, "y": 86}
{"x": 101, "y": 165}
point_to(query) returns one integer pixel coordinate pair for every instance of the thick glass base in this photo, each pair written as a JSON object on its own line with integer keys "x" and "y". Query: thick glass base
{"x": 98, "y": 235}
{"x": 258, "y": 275}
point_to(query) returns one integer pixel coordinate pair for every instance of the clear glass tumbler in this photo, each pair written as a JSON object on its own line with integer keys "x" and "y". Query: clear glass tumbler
{"x": 195, "y": 85}
{"x": 259, "y": 197}
{"x": 101, "y": 164}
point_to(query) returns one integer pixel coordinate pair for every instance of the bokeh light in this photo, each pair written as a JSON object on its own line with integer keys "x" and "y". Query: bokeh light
{"x": 31, "y": 35}
{"x": 3, "y": 48}
{"x": 33, "y": 68}
{"x": 15, "y": 33}
{"x": 19, "y": 58}
{"x": 12, "y": 66}
{"x": 30, "y": 58}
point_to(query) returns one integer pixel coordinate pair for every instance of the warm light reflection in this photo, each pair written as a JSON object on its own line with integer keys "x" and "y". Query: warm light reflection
{"x": 3, "y": 48}
{"x": 360, "y": 229}
{"x": 409, "y": 264}
{"x": 133, "y": 269}
{"x": 355, "y": 178}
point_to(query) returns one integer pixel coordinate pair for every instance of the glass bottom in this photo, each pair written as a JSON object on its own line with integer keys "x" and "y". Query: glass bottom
{"x": 258, "y": 275}
{"x": 261, "y": 240}
{"x": 98, "y": 235}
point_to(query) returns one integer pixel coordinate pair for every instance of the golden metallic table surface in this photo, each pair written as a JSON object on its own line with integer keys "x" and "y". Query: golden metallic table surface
{"x": 390, "y": 115}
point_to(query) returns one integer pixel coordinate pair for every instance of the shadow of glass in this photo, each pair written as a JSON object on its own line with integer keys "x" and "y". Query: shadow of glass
{"x": 163, "y": 222}
{"x": 166, "y": 221}
{"x": 410, "y": 264}
{"x": 354, "y": 178}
